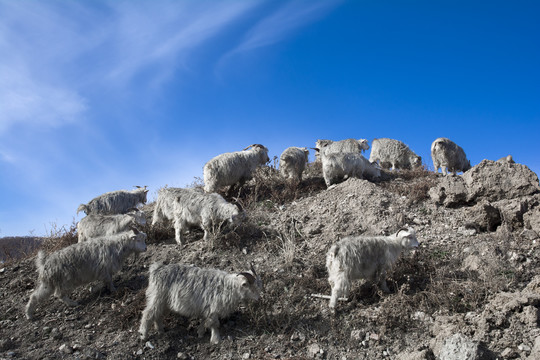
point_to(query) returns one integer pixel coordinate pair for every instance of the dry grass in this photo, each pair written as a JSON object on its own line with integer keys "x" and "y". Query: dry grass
{"x": 268, "y": 185}
{"x": 413, "y": 184}
{"x": 60, "y": 237}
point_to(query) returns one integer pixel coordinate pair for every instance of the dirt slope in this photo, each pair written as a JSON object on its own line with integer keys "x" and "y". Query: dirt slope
{"x": 472, "y": 289}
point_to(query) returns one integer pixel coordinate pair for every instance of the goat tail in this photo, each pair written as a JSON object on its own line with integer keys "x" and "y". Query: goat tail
{"x": 83, "y": 207}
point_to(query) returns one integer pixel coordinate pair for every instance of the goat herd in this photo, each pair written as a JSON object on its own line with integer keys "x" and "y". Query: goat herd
{"x": 108, "y": 234}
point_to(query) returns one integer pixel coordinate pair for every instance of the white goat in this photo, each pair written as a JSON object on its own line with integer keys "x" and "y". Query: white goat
{"x": 190, "y": 207}
{"x": 344, "y": 165}
{"x": 292, "y": 162}
{"x": 390, "y": 153}
{"x": 115, "y": 202}
{"x": 78, "y": 264}
{"x": 448, "y": 155}
{"x": 208, "y": 294}
{"x": 164, "y": 206}
{"x": 233, "y": 168}
{"x": 97, "y": 225}
{"x": 328, "y": 147}
{"x": 365, "y": 257}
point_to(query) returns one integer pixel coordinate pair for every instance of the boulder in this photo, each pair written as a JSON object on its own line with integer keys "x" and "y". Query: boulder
{"x": 484, "y": 217}
{"x": 460, "y": 347}
{"x": 450, "y": 191}
{"x": 492, "y": 181}
{"x": 532, "y": 220}
{"x": 487, "y": 181}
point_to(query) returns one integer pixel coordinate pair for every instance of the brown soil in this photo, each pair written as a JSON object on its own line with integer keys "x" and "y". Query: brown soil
{"x": 483, "y": 285}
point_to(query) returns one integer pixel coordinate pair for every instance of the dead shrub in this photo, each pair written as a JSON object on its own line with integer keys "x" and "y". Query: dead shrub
{"x": 432, "y": 280}
{"x": 413, "y": 184}
{"x": 60, "y": 237}
{"x": 268, "y": 185}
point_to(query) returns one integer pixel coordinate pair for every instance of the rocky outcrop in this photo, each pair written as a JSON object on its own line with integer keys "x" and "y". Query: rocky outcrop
{"x": 484, "y": 217}
{"x": 489, "y": 180}
{"x": 499, "y": 192}
{"x": 492, "y": 181}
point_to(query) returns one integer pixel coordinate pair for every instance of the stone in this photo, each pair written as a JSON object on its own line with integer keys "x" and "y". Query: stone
{"x": 65, "y": 349}
{"x": 535, "y": 351}
{"x": 450, "y": 191}
{"x": 460, "y": 347}
{"x": 532, "y": 220}
{"x": 512, "y": 212}
{"x": 488, "y": 181}
{"x": 357, "y": 335}
{"x": 313, "y": 350}
{"x": 494, "y": 181}
{"x": 416, "y": 355}
{"x": 484, "y": 217}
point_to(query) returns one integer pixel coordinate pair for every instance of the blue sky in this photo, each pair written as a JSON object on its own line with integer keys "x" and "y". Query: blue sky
{"x": 98, "y": 96}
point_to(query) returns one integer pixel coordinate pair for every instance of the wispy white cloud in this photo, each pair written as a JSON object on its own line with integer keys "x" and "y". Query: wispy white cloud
{"x": 281, "y": 24}
{"x": 182, "y": 27}
{"x": 55, "y": 53}
{"x": 29, "y": 101}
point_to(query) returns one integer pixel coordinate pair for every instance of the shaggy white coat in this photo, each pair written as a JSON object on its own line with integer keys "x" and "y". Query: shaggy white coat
{"x": 78, "y": 264}
{"x": 365, "y": 257}
{"x": 233, "y": 168}
{"x": 292, "y": 162}
{"x": 164, "y": 206}
{"x": 448, "y": 156}
{"x": 97, "y": 225}
{"x": 336, "y": 167}
{"x": 192, "y": 208}
{"x": 115, "y": 202}
{"x": 328, "y": 147}
{"x": 394, "y": 154}
{"x": 208, "y": 294}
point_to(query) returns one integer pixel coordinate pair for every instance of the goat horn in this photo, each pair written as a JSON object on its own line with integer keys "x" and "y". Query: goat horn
{"x": 248, "y": 276}
{"x": 253, "y": 270}
{"x": 249, "y": 147}
{"x": 400, "y": 230}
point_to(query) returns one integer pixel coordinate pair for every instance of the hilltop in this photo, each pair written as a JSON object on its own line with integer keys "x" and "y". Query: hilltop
{"x": 472, "y": 287}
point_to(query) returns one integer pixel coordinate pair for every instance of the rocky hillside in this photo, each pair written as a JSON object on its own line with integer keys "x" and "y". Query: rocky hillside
{"x": 470, "y": 291}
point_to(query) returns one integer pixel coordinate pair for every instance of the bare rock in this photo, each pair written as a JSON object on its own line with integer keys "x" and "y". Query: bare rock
{"x": 484, "y": 217}
{"x": 489, "y": 180}
{"x": 494, "y": 181}
{"x": 535, "y": 352}
{"x": 450, "y": 191}
{"x": 512, "y": 212}
{"x": 460, "y": 347}
{"x": 529, "y": 316}
{"x": 65, "y": 349}
{"x": 416, "y": 355}
{"x": 314, "y": 350}
{"x": 532, "y": 220}
{"x": 533, "y": 286}
{"x": 507, "y": 159}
